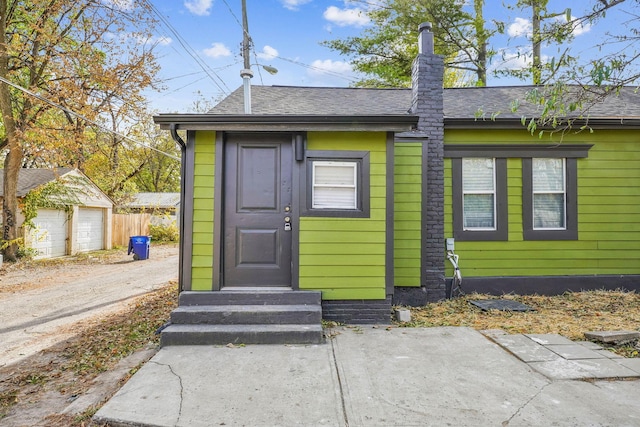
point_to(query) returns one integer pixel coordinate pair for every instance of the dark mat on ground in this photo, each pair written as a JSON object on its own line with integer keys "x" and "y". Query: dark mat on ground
{"x": 501, "y": 304}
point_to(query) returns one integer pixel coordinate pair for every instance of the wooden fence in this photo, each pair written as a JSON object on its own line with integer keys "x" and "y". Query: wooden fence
{"x": 127, "y": 225}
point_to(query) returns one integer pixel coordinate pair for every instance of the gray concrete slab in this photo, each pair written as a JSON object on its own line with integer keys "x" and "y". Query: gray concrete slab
{"x": 252, "y": 385}
{"x": 525, "y": 348}
{"x": 605, "y": 368}
{"x": 435, "y": 376}
{"x": 368, "y": 377}
{"x": 633, "y": 364}
{"x": 548, "y": 339}
{"x": 612, "y": 336}
{"x": 582, "y": 403}
{"x": 590, "y": 345}
{"x": 573, "y": 351}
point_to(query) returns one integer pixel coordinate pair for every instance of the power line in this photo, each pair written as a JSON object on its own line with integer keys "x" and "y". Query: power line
{"x": 190, "y": 51}
{"x": 86, "y": 119}
{"x": 319, "y": 69}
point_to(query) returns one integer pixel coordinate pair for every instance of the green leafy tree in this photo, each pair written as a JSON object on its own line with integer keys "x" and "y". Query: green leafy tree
{"x": 385, "y": 51}
{"x": 85, "y": 55}
{"x": 570, "y": 86}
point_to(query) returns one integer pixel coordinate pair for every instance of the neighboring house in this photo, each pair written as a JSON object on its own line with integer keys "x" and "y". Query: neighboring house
{"x": 83, "y": 227}
{"x": 163, "y": 207}
{"x": 154, "y": 203}
{"x": 352, "y": 192}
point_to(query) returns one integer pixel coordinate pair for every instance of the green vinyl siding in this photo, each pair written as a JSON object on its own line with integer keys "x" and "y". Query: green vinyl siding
{"x": 608, "y": 211}
{"x": 407, "y": 213}
{"x": 203, "y": 189}
{"x": 345, "y": 257}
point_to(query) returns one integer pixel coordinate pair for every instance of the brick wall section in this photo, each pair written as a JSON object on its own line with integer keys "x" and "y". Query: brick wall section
{"x": 428, "y": 70}
{"x": 357, "y": 312}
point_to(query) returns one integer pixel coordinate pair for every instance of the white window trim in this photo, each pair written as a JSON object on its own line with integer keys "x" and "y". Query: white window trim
{"x": 354, "y": 186}
{"x": 564, "y": 198}
{"x": 493, "y": 192}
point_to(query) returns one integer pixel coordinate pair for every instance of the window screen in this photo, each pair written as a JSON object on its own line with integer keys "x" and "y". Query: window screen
{"x": 335, "y": 185}
{"x": 549, "y": 194}
{"x": 479, "y": 190}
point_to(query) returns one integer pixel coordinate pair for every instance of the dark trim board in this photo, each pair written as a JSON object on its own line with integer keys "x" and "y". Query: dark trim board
{"x": 186, "y": 214}
{"x": 549, "y": 285}
{"x": 390, "y": 215}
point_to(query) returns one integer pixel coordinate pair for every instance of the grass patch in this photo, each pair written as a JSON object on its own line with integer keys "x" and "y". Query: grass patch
{"x": 570, "y": 314}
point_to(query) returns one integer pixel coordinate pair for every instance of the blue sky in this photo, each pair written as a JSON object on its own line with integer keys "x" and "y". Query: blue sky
{"x": 199, "y": 45}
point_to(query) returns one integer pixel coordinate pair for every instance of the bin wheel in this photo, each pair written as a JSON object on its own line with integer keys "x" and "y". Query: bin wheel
{"x": 136, "y": 257}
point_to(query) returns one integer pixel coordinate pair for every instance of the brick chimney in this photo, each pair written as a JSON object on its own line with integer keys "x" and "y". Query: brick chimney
{"x": 427, "y": 103}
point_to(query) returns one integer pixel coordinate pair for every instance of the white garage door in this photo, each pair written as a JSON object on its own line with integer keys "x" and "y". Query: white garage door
{"x": 49, "y": 238}
{"x": 90, "y": 234}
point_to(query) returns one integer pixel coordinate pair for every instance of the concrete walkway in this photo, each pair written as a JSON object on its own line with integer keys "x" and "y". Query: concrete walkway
{"x": 561, "y": 359}
{"x": 366, "y": 376}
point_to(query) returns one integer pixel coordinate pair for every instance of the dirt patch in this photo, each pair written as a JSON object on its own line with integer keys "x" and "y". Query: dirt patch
{"x": 41, "y": 302}
{"x": 37, "y": 390}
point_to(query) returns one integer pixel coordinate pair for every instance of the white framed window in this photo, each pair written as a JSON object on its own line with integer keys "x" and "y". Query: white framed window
{"x": 479, "y": 194}
{"x": 337, "y": 184}
{"x": 334, "y": 185}
{"x": 549, "y": 188}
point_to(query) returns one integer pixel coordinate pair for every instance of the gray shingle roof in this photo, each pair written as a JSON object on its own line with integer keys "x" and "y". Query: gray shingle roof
{"x": 154, "y": 200}
{"x": 297, "y": 100}
{"x": 466, "y": 103}
{"x": 28, "y": 179}
{"x": 459, "y": 103}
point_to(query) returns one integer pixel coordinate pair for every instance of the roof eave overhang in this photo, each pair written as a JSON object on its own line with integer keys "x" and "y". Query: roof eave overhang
{"x": 262, "y": 123}
{"x": 516, "y": 123}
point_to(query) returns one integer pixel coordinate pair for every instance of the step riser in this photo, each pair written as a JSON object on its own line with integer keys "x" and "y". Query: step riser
{"x": 189, "y": 298}
{"x": 246, "y": 317}
{"x": 223, "y": 338}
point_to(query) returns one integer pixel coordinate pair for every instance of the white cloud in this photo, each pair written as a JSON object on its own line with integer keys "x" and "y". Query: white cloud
{"x": 120, "y": 4}
{"x": 579, "y": 28}
{"x": 268, "y": 53}
{"x": 198, "y": 7}
{"x": 521, "y": 27}
{"x": 154, "y": 41}
{"x": 327, "y": 66}
{"x": 217, "y": 50}
{"x": 164, "y": 41}
{"x": 517, "y": 60}
{"x": 346, "y": 17}
{"x": 293, "y": 4}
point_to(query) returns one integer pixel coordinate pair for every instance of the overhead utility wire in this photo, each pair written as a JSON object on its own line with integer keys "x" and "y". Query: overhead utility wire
{"x": 86, "y": 119}
{"x": 191, "y": 51}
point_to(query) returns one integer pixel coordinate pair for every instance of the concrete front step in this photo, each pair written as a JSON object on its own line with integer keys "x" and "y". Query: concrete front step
{"x": 247, "y": 314}
{"x": 204, "y": 334}
{"x": 241, "y": 296}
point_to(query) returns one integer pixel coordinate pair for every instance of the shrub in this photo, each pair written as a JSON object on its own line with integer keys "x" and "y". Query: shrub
{"x": 164, "y": 232}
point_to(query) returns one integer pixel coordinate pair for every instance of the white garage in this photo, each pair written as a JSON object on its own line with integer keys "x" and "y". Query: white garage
{"x": 49, "y": 236}
{"x": 90, "y": 230}
{"x": 82, "y": 225}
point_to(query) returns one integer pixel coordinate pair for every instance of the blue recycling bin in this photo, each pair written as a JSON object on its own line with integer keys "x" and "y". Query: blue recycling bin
{"x": 139, "y": 245}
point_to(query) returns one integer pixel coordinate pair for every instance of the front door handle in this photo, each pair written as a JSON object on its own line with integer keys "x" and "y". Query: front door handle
{"x": 287, "y": 223}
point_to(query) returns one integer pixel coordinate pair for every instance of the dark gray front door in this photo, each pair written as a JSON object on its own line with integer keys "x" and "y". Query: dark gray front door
{"x": 257, "y": 239}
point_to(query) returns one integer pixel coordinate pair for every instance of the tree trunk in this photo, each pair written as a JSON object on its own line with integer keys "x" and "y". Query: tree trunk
{"x": 482, "y": 39}
{"x": 12, "y": 164}
{"x": 15, "y": 154}
{"x": 537, "y": 41}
